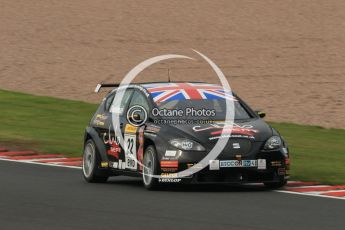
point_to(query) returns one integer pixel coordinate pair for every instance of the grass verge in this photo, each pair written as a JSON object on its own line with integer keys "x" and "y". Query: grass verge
{"x": 317, "y": 154}
{"x": 47, "y": 124}
{"x": 57, "y": 126}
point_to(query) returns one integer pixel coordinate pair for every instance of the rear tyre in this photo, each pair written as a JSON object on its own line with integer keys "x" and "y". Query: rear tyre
{"x": 275, "y": 185}
{"x": 91, "y": 161}
{"x": 150, "y": 167}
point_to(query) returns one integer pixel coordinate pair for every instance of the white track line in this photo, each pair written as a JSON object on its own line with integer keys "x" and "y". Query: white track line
{"x": 306, "y": 194}
{"x": 76, "y": 167}
{"x": 324, "y": 191}
{"x": 306, "y": 186}
{"x": 334, "y": 190}
{"x": 38, "y": 163}
{"x": 43, "y": 159}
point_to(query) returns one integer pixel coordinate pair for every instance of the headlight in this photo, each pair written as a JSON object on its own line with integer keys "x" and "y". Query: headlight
{"x": 273, "y": 142}
{"x": 186, "y": 144}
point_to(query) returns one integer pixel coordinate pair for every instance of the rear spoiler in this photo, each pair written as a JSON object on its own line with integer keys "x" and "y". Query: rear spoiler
{"x": 116, "y": 85}
{"x": 105, "y": 85}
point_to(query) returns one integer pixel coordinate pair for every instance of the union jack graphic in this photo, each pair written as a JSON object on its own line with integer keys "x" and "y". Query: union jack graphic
{"x": 163, "y": 92}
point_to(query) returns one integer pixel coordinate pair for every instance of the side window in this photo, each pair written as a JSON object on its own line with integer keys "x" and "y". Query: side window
{"x": 139, "y": 99}
{"x": 119, "y": 107}
{"x": 108, "y": 102}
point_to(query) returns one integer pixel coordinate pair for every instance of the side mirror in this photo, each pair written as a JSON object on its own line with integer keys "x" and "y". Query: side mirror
{"x": 261, "y": 114}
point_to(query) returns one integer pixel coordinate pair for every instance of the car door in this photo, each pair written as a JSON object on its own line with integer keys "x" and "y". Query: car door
{"x": 134, "y": 133}
{"x": 115, "y": 152}
{"x": 101, "y": 121}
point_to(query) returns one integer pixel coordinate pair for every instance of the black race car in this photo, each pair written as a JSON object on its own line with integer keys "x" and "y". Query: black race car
{"x": 169, "y": 127}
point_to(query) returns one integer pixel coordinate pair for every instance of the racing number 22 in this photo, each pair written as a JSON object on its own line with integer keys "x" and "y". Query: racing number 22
{"x": 130, "y": 151}
{"x": 130, "y": 144}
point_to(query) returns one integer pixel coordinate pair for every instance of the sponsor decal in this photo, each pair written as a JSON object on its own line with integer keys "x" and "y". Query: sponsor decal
{"x": 236, "y": 145}
{"x": 170, "y": 153}
{"x": 101, "y": 117}
{"x": 104, "y": 164}
{"x": 262, "y": 164}
{"x": 238, "y": 164}
{"x": 248, "y": 131}
{"x": 114, "y": 150}
{"x": 169, "y": 175}
{"x": 113, "y": 142}
{"x": 169, "y": 164}
{"x": 130, "y": 128}
{"x": 113, "y": 164}
{"x": 109, "y": 139}
{"x": 169, "y": 180}
{"x": 242, "y": 131}
{"x": 169, "y": 169}
{"x": 231, "y": 136}
{"x": 214, "y": 165}
{"x": 98, "y": 122}
{"x": 118, "y": 165}
{"x": 276, "y": 163}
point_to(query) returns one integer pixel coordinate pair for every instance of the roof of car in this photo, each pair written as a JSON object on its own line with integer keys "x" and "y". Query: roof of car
{"x": 169, "y": 82}
{"x": 167, "y": 91}
{"x": 176, "y": 83}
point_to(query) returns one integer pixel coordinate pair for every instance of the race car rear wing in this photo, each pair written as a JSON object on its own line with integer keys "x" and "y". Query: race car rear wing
{"x": 105, "y": 85}
{"x": 116, "y": 85}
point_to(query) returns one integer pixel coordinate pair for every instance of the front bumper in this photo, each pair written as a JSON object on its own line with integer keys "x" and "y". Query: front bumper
{"x": 276, "y": 170}
{"x": 237, "y": 176}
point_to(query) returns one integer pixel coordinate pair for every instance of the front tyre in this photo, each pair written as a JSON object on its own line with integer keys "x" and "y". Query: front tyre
{"x": 150, "y": 168}
{"x": 91, "y": 161}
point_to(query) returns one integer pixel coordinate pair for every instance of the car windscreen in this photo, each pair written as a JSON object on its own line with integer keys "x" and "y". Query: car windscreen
{"x": 212, "y": 109}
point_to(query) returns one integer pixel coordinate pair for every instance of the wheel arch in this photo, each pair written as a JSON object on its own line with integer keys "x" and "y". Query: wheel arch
{"x": 158, "y": 143}
{"x": 90, "y": 133}
{"x": 148, "y": 142}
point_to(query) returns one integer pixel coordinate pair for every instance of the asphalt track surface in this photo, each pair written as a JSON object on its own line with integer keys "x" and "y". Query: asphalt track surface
{"x": 43, "y": 197}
